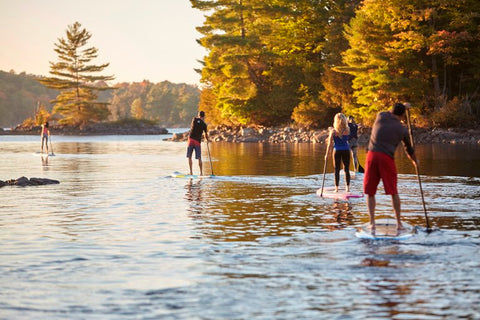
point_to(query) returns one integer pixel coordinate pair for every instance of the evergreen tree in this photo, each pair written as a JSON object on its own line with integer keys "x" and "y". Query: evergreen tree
{"x": 260, "y": 54}
{"x": 77, "y": 79}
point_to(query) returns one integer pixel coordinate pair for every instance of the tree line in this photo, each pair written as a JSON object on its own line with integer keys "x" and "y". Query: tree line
{"x": 76, "y": 92}
{"x": 23, "y": 97}
{"x": 272, "y": 62}
{"x": 277, "y": 61}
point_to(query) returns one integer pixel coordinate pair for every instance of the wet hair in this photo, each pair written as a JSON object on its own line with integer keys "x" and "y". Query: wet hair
{"x": 398, "y": 109}
{"x": 201, "y": 114}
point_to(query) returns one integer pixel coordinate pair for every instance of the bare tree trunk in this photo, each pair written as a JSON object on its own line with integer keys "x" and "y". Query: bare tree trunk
{"x": 436, "y": 83}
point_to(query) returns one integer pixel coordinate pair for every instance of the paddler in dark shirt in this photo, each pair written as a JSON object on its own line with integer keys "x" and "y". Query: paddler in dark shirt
{"x": 197, "y": 128}
{"x": 353, "y": 142}
{"x": 387, "y": 133}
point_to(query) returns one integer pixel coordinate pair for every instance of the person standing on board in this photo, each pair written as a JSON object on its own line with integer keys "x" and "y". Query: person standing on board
{"x": 45, "y": 135}
{"x": 353, "y": 141}
{"x": 197, "y": 128}
{"x": 387, "y": 132}
{"x": 338, "y": 141}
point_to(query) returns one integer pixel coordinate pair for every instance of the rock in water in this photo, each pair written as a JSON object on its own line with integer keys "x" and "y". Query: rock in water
{"x": 24, "y": 181}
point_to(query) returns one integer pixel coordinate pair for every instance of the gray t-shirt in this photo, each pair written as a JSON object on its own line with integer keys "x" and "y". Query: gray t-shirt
{"x": 387, "y": 132}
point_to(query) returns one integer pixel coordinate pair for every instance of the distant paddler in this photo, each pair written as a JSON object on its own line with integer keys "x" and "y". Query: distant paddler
{"x": 45, "y": 135}
{"x": 197, "y": 128}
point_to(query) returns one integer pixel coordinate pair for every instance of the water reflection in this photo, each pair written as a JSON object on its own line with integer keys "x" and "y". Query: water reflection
{"x": 308, "y": 158}
{"x": 253, "y": 242}
{"x": 44, "y": 162}
{"x": 339, "y": 216}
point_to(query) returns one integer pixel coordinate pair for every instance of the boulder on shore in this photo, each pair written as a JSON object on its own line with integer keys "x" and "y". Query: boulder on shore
{"x": 24, "y": 181}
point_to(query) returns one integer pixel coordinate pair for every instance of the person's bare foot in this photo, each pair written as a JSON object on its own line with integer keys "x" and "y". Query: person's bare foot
{"x": 336, "y": 189}
{"x": 348, "y": 189}
{"x": 371, "y": 227}
{"x": 400, "y": 227}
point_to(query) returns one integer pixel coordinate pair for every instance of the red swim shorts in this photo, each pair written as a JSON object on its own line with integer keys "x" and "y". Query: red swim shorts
{"x": 380, "y": 166}
{"x": 194, "y": 145}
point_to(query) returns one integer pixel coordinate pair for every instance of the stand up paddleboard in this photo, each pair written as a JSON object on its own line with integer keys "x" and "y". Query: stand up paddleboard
{"x": 340, "y": 195}
{"x": 38, "y": 153}
{"x": 188, "y": 176}
{"x": 385, "y": 229}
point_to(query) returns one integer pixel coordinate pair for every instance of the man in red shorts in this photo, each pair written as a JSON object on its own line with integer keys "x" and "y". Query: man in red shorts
{"x": 197, "y": 128}
{"x": 387, "y": 132}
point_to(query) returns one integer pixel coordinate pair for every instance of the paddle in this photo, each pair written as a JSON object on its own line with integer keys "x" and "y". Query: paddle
{"x": 360, "y": 169}
{"x": 209, "y": 158}
{"x": 51, "y": 147}
{"x": 418, "y": 172}
{"x": 324, "y": 172}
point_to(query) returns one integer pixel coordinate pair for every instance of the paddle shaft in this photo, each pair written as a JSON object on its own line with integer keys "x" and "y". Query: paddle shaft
{"x": 209, "y": 158}
{"x": 51, "y": 147}
{"x": 417, "y": 170}
{"x": 324, "y": 172}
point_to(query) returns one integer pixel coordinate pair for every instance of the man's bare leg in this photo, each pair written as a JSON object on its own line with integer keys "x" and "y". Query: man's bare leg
{"x": 190, "y": 165}
{"x": 200, "y": 165}
{"x": 397, "y": 209}
{"x": 371, "y": 203}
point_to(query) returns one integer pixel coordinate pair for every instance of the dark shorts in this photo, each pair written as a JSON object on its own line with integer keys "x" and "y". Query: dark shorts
{"x": 194, "y": 145}
{"x": 380, "y": 166}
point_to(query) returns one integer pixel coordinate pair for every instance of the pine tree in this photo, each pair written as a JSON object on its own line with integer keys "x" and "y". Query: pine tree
{"x": 77, "y": 80}
{"x": 261, "y": 53}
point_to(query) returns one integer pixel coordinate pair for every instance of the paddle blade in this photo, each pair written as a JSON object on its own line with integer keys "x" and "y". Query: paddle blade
{"x": 360, "y": 169}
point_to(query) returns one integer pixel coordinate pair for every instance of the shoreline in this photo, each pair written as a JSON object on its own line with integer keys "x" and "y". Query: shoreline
{"x": 91, "y": 130}
{"x": 254, "y": 134}
{"x": 301, "y": 135}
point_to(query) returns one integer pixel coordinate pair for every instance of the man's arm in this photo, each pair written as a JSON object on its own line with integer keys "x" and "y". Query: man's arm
{"x": 410, "y": 150}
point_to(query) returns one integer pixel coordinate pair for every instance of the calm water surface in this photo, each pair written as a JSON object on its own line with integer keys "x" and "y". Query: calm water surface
{"x": 119, "y": 239}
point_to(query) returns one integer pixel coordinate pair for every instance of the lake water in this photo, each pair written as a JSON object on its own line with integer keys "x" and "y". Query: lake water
{"x": 120, "y": 239}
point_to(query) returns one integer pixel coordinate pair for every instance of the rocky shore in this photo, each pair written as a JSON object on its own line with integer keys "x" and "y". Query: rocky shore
{"x": 301, "y": 135}
{"x": 109, "y": 128}
{"x": 24, "y": 181}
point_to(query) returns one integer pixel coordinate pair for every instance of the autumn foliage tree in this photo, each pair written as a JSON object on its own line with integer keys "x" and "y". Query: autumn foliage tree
{"x": 270, "y": 61}
{"x": 423, "y": 51}
{"x": 78, "y": 81}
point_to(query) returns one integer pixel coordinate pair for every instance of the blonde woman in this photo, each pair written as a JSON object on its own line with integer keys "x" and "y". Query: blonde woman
{"x": 338, "y": 141}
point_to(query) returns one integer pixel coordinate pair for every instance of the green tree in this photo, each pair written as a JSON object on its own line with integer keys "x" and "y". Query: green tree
{"x": 261, "y": 53}
{"x": 76, "y": 79}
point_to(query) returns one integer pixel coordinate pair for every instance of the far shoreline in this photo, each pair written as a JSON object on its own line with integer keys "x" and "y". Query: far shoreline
{"x": 252, "y": 134}
{"x": 301, "y": 135}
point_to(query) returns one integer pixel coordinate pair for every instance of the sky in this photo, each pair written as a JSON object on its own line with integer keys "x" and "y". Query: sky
{"x": 151, "y": 40}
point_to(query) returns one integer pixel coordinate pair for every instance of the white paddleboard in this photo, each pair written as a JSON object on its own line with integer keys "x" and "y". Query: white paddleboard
{"x": 329, "y": 192}
{"x": 38, "y": 153}
{"x": 385, "y": 229}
